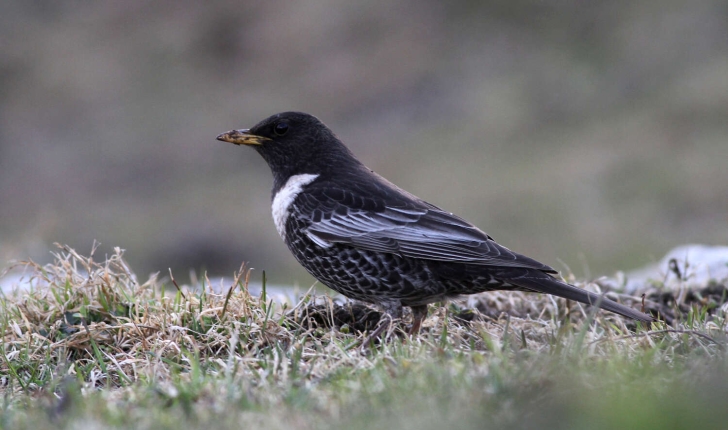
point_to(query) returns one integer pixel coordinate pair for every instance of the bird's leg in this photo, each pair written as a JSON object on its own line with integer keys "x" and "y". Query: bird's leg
{"x": 392, "y": 312}
{"x": 384, "y": 323}
{"x": 391, "y": 307}
{"x": 419, "y": 313}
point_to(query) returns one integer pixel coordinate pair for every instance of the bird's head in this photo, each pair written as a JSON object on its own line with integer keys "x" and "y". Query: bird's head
{"x": 292, "y": 143}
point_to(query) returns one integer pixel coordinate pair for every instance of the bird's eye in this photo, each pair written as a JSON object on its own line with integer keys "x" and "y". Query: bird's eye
{"x": 280, "y": 129}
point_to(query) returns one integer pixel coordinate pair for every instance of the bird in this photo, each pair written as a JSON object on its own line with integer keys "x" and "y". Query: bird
{"x": 368, "y": 239}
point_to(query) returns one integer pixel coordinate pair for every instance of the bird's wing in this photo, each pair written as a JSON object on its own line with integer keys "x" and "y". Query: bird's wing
{"x": 417, "y": 230}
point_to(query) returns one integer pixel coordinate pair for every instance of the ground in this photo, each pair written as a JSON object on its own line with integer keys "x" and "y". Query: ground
{"x": 92, "y": 346}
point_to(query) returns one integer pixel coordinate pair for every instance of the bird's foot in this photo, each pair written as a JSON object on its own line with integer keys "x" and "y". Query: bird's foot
{"x": 385, "y": 326}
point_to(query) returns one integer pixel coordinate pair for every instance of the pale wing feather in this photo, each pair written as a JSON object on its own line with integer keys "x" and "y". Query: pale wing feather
{"x": 419, "y": 233}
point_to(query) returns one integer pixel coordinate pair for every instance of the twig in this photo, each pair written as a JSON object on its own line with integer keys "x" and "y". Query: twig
{"x": 175, "y": 284}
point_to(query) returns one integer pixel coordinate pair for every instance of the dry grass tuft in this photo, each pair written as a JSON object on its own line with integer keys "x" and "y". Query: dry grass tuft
{"x": 84, "y": 313}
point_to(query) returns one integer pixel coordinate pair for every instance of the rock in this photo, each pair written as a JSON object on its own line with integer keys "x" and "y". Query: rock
{"x": 690, "y": 265}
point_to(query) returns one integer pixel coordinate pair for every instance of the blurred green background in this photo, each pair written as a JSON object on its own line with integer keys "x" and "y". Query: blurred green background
{"x": 587, "y": 134}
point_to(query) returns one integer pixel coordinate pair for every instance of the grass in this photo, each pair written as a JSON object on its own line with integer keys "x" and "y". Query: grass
{"x": 90, "y": 346}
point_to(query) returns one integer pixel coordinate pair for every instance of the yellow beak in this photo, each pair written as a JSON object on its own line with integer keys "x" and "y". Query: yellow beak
{"x": 242, "y": 137}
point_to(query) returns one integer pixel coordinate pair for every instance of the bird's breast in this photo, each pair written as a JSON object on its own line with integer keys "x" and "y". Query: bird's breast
{"x": 284, "y": 198}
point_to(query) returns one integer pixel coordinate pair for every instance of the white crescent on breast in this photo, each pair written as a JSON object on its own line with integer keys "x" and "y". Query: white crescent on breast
{"x": 283, "y": 199}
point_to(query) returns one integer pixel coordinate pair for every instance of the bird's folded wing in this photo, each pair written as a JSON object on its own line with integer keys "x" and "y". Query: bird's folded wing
{"x": 427, "y": 233}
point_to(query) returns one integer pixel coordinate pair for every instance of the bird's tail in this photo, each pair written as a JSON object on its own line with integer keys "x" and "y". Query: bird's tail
{"x": 543, "y": 283}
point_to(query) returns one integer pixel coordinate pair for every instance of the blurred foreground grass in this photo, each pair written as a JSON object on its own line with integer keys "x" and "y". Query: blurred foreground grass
{"x": 92, "y": 347}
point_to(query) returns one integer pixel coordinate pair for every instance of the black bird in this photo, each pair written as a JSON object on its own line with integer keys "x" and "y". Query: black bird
{"x": 370, "y": 240}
